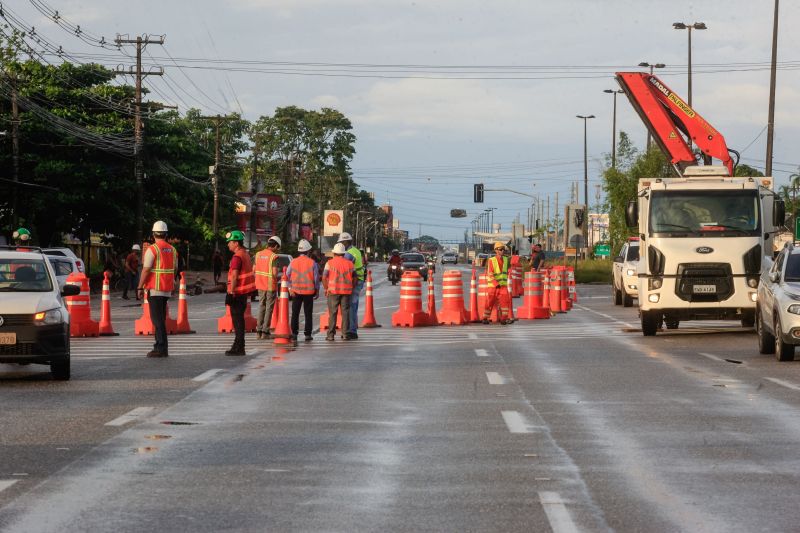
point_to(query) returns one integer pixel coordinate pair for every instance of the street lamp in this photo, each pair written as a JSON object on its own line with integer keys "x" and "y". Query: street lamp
{"x": 652, "y": 66}
{"x": 689, "y": 28}
{"x": 614, "y": 127}
{"x": 585, "y": 119}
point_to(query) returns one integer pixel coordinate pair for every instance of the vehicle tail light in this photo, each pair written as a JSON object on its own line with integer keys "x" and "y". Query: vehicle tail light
{"x": 80, "y": 265}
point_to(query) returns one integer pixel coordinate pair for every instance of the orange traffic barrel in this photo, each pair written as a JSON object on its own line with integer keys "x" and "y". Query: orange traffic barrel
{"x": 555, "y": 290}
{"x": 453, "y": 312}
{"x": 79, "y": 307}
{"x": 410, "y": 313}
{"x": 532, "y": 306}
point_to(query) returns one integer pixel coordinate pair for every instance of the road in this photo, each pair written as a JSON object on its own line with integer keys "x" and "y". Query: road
{"x": 577, "y": 423}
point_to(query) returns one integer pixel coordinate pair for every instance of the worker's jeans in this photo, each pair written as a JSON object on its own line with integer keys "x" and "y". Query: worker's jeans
{"x": 158, "y": 315}
{"x": 266, "y": 301}
{"x": 238, "y": 307}
{"x": 357, "y": 286}
{"x": 307, "y": 303}
{"x": 497, "y": 295}
{"x": 334, "y": 302}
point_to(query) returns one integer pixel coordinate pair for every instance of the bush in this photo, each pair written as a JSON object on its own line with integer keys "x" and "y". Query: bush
{"x": 593, "y": 271}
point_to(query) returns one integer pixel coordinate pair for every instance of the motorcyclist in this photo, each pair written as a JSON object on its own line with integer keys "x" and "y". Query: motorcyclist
{"x": 394, "y": 261}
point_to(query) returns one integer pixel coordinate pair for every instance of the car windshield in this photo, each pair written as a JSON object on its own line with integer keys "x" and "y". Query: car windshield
{"x": 24, "y": 275}
{"x": 633, "y": 253}
{"x": 792, "y": 268}
{"x": 413, "y": 258}
{"x": 726, "y": 213}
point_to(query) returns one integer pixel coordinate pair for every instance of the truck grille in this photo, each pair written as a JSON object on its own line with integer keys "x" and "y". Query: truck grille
{"x": 696, "y": 279}
{"x": 17, "y": 320}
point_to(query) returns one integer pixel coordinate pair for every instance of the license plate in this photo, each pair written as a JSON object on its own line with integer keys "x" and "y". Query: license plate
{"x": 8, "y": 338}
{"x": 704, "y": 289}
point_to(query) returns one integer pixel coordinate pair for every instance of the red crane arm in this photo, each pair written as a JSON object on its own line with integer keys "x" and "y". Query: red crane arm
{"x": 664, "y": 113}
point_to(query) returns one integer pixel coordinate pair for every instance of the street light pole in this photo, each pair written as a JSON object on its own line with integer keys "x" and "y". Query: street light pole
{"x": 613, "y": 128}
{"x": 652, "y": 66}
{"x": 585, "y": 119}
{"x": 689, "y": 28}
{"x": 772, "y": 76}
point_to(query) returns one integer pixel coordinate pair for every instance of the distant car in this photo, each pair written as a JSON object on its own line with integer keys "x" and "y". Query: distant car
{"x": 63, "y": 266}
{"x": 34, "y": 321}
{"x": 66, "y": 252}
{"x": 450, "y": 257}
{"x": 777, "y": 318}
{"x": 415, "y": 262}
{"x": 625, "y": 286}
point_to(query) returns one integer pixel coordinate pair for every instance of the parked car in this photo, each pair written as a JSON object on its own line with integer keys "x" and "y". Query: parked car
{"x": 450, "y": 257}
{"x": 66, "y": 252}
{"x": 63, "y": 266}
{"x": 625, "y": 285}
{"x": 413, "y": 261}
{"x": 34, "y": 321}
{"x": 777, "y": 317}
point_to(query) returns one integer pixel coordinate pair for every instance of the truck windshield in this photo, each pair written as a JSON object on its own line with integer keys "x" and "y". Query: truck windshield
{"x": 725, "y": 213}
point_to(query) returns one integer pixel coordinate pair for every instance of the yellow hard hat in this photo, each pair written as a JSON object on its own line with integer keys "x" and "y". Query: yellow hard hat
{"x": 499, "y": 246}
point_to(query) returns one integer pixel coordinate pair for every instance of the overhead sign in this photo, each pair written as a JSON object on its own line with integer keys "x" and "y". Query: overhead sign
{"x": 334, "y": 222}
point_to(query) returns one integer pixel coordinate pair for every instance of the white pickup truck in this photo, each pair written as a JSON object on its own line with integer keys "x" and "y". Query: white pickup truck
{"x": 625, "y": 285}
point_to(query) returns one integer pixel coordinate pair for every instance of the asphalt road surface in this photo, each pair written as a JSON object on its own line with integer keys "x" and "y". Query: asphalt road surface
{"x": 577, "y": 423}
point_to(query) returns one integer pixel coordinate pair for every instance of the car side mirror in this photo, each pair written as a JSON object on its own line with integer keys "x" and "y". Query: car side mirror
{"x": 618, "y": 259}
{"x": 70, "y": 290}
{"x": 632, "y": 214}
{"x": 779, "y": 213}
{"x": 774, "y": 277}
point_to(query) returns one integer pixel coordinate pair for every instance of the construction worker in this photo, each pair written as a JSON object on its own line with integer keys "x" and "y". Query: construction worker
{"x": 537, "y": 257}
{"x": 266, "y": 271}
{"x": 303, "y": 282}
{"x": 338, "y": 279}
{"x": 354, "y": 254}
{"x": 497, "y": 285}
{"x": 158, "y": 279}
{"x": 22, "y": 237}
{"x": 131, "y": 269}
{"x": 241, "y": 283}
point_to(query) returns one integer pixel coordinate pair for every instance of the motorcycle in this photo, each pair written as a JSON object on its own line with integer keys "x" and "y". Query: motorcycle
{"x": 431, "y": 266}
{"x": 394, "y": 273}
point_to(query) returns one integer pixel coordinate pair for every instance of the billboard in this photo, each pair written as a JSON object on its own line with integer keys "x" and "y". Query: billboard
{"x": 334, "y": 222}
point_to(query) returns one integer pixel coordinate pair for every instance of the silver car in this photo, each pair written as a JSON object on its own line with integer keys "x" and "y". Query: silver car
{"x": 778, "y": 306}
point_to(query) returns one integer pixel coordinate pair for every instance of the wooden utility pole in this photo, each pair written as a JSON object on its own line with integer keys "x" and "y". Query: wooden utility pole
{"x": 254, "y": 191}
{"x": 218, "y": 120}
{"x": 138, "y": 130}
{"x": 771, "y": 111}
{"x": 14, "y": 153}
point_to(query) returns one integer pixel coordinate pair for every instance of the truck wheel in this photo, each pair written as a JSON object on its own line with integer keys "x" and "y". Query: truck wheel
{"x": 616, "y": 295}
{"x": 627, "y": 300}
{"x": 651, "y": 320}
{"x": 766, "y": 342}
{"x": 60, "y": 370}
{"x": 783, "y": 351}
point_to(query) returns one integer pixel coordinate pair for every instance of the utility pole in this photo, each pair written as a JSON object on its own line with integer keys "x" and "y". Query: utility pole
{"x": 556, "y": 224}
{"x": 254, "y": 192}
{"x": 15, "y": 152}
{"x": 218, "y": 120}
{"x": 772, "y": 76}
{"x": 138, "y": 130}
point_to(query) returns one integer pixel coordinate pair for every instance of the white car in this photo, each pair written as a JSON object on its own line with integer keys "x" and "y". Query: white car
{"x": 778, "y": 305}
{"x": 450, "y": 257}
{"x": 34, "y": 321}
{"x": 625, "y": 283}
{"x": 66, "y": 252}
{"x": 63, "y": 266}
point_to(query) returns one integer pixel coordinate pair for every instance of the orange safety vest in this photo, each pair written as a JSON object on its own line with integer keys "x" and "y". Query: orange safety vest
{"x": 265, "y": 261}
{"x": 340, "y": 275}
{"x": 302, "y": 277}
{"x": 497, "y": 275}
{"x": 245, "y": 281}
{"x": 162, "y": 276}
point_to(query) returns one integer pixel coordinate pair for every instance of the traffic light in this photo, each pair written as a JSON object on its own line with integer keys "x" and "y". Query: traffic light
{"x": 478, "y": 193}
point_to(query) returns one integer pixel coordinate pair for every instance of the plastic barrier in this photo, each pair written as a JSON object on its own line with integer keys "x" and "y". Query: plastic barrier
{"x": 369, "y": 309}
{"x": 80, "y": 310}
{"x": 483, "y": 290}
{"x": 546, "y": 288}
{"x": 453, "y": 312}
{"x": 410, "y": 313}
{"x": 555, "y": 290}
{"x": 532, "y": 306}
{"x": 106, "y": 328}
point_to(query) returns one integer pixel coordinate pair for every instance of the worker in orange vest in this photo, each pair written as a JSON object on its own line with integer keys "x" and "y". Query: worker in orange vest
{"x": 337, "y": 278}
{"x": 266, "y": 271}
{"x": 241, "y": 284}
{"x": 497, "y": 286}
{"x": 303, "y": 281}
{"x": 158, "y": 279}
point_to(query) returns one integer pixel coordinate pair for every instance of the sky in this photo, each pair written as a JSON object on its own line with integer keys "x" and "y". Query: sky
{"x": 443, "y": 94}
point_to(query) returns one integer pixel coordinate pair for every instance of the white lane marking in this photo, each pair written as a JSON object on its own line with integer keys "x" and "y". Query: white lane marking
{"x": 472, "y": 337}
{"x": 784, "y": 383}
{"x": 557, "y": 514}
{"x": 481, "y": 352}
{"x": 5, "y": 483}
{"x": 208, "y": 374}
{"x": 516, "y": 422}
{"x": 712, "y": 356}
{"x": 130, "y": 416}
{"x": 495, "y": 378}
{"x": 618, "y": 321}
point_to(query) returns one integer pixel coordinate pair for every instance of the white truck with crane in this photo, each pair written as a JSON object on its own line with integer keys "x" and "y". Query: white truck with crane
{"x": 703, "y": 233}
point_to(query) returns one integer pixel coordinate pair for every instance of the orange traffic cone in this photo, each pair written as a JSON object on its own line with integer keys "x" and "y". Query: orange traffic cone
{"x": 369, "y": 310}
{"x": 106, "y": 329}
{"x": 433, "y": 320}
{"x": 182, "y": 325}
{"x": 474, "y": 313}
{"x": 79, "y": 307}
{"x": 283, "y": 333}
{"x": 144, "y": 325}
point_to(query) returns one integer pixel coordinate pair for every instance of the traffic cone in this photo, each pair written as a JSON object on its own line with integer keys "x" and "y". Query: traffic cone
{"x": 532, "y": 307}
{"x": 170, "y": 323}
{"x": 106, "y": 329}
{"x": 369, "y": 311}
{"x": 510, "y": 316}
{"x": 453, "y": 312}
{"x": 325, "y": 318}
{"x": 144, "y": 325}
{"x": 182, "y": 326}
{"x": 79, "y": 307}
{"x": 283, "y": 333}
{"x": 433, "y": 320}
{"x": 410, "y": 313}
{"x": 474, "y": 313}
{"x": 250, "y": 322}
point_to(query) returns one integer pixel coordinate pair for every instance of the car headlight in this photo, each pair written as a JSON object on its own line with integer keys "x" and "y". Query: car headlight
{"x": 631, "y": 272}
{"x": 48, "y": 318}
{"x": 794, "y": 309}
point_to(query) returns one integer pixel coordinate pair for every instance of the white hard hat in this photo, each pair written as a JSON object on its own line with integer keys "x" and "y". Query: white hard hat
{"x": 136, "y": 247}
{"x": 276, "y": 240}
{"x": 303, "y": 245}
{"x": 345, "y": 237}
{"x": 339, "y": 249}
{"x": 160, "y": 227}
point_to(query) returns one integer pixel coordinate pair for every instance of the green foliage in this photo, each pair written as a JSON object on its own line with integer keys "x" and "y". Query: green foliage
{"x": 594, "y": 271}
